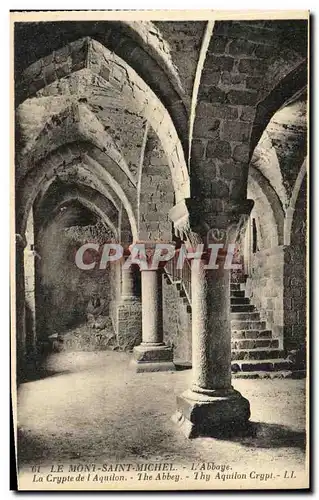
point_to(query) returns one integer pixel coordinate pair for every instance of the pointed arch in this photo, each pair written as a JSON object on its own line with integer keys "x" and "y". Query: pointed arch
{"x": 106, "y": 69}
{"x": 58, "y": 161}
{"x": 62, "y": 193}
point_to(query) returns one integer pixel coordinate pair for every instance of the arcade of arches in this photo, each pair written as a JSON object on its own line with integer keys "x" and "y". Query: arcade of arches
{"x": 158, "y": 132}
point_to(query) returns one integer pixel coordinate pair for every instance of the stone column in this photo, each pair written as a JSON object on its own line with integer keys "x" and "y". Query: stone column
{"x": 152, "y": 354}
{"x": 211, "y": 340}
{"x": 211, "y": 406}
{"x": 128, "y": 290}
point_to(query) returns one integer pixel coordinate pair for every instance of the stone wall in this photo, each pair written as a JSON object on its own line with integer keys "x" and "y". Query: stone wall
{"x": 244, "y": 62}
{"x": 126, "y": 315}
{"x": 177, "y": 322}
{"x": 295, "y": 283}
{"x": 156, "y": 193}
{"x": 277, "y": 284}
{"x": 129, "y": 324}
{"x": 265, "y": 287}
{"x": 63, "y": 290}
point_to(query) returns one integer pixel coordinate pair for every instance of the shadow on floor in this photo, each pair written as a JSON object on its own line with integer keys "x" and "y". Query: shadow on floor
{"x": 257, "y": 435}
{"x": 266, "y": 435}
{"x": 40, "y": 373}
{"x": 34, "y": 448}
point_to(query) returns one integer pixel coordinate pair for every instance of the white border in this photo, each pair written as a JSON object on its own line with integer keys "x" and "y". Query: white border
{"x": 5, "y": 183}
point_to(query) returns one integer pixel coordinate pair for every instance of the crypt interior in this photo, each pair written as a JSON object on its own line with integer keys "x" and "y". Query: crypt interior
{"x": 158, "y": 132}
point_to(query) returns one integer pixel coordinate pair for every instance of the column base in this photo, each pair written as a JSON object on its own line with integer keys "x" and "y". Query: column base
{"x": 152, "y": 358}
{"x": 222, "y": 414}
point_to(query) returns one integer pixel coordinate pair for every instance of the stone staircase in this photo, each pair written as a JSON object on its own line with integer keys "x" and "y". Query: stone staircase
{"x": 255, "y": 353}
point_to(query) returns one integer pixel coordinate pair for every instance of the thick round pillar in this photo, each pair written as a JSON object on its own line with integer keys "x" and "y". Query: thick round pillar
{"x": 152, "y": 354}
{"x": 211, "y": 406}
{"x": 152, "y": 307}
{"x": 211, "y": 335}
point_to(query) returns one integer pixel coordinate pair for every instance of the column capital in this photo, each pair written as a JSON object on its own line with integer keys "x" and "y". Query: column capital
{"x": 199, "y": 221}
{"x": 150, "y": 248}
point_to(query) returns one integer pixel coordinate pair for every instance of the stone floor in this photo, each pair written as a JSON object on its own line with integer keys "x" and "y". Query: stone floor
{"x": 90, "y": 407}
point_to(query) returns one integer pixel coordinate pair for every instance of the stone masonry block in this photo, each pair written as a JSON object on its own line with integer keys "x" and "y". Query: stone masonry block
{"x": 241, "y": 153}
{"x": 220, "y": 63}
{"x": 241, "y": 47}
{"x": 218, "y": 111}
{"x": 247, "y": 113}
{"x": 210, "y": 77}
{"x": 251, "y": 66}
{"x": 243, "y": 97}
{"x": 254, "y": 82}
{"x": 212, "y": 94}
{"x": 198, "y": 149}
{"x": 232, "y": 78}
{"x": 231, "y": 171}
{"x": 235, "y": 131}
{"x": 218, "y": 45}
{"x": 219, "y": 149}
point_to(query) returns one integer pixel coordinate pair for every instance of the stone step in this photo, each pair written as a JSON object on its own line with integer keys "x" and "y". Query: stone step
{"x": 243, "y": 316}
{"x": 268, "y": 365}
{"x": 262, "y": 375}
{"x": 239, "y": 301}
{"x": 255, "y": 343}
{"x": 239, "y": 334}
{"x": 237, "y": 293}
{"x": 235, "y": 287}
{"x": 247, "y": 325}
{"x": 243, "y": 308}
{"x": 256, "y": 354}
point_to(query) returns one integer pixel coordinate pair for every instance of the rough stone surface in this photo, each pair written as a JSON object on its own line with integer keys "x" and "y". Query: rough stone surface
{"x": 103, "y": 382}
{"x": 115, "y": 118}
{"x": 199, "y": 415}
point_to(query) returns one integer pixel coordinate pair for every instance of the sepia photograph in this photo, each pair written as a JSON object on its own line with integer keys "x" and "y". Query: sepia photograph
{"x": 159, "y": 250}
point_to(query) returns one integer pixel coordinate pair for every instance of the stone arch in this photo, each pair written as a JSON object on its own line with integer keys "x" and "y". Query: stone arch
{"x": 76, "y": 177}
{"x": 88, "y": 197}
{"x": 69, "y": 122}
{"x": 109, "y": 70}
{"x": 234, "y": 81}
{"x": 141, "y": 45}
{"x": 266, "y": 161}
{"x": 295, "y": 81}
{"x": 257, "y": 182}
{"x": 73, "y": 156}
{"x": 100, "y": 162}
